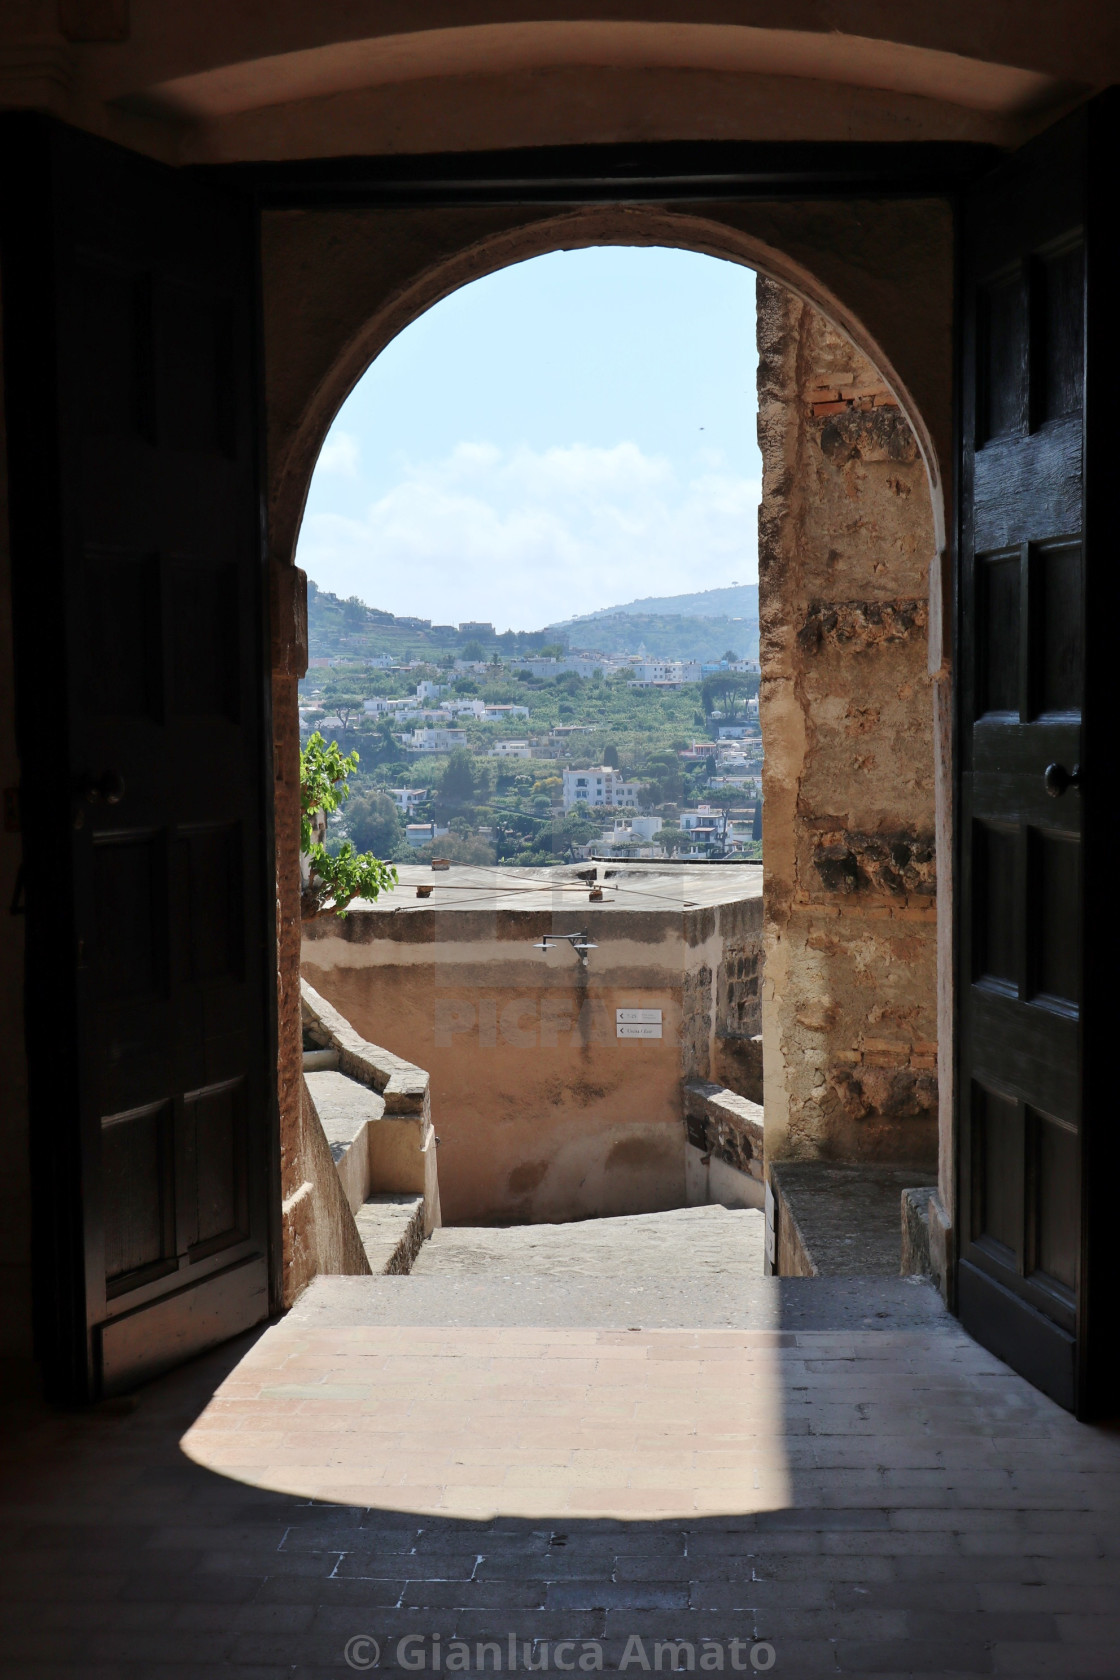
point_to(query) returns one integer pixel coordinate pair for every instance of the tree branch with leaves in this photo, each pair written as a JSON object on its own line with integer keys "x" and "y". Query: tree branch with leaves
{"x": 333, "y": 880}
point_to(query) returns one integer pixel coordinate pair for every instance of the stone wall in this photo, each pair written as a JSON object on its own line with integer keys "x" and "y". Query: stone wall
{"x": 846, "y": 538}
{"x": 737, "y": 1051}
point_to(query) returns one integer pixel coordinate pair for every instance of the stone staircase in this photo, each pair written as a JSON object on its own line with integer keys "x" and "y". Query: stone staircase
{"x": 374, "y": 1111}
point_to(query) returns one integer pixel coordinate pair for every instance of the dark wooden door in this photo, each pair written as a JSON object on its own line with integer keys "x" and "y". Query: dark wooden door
{"x": 130, "y": 339}
{"x": 1037, "y": 616}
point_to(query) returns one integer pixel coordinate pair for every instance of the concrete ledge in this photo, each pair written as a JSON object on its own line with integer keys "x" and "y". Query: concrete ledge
{"x": 916, "y": 1260}
{"x": 403, "y": 1085}
{"x": 392, "y": 1233}
{"x": 708, "y": 1182}
{"x": 725, "y": 1125}
{"x": 926, "y": 1237}
{"x": 838, "y": 1219}
{"x": 398, "y": 1143}
{"x": 940, "y": 1244}
{"x": 347, "y": 1113}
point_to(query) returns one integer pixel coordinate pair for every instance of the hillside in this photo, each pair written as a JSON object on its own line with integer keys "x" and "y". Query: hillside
{"x": 666, "y": 627}
{"x": 351, "y": 628}
{"x": 662, "y": 635}
{"x": 739, "y": 600}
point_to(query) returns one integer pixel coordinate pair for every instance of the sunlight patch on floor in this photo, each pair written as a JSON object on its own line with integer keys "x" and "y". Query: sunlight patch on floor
{"x": 479, "y": 1423}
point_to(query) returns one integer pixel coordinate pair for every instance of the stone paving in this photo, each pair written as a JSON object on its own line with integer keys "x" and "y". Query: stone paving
{"x": 714, "y": 1240}
{"x": 843, "y": 1500}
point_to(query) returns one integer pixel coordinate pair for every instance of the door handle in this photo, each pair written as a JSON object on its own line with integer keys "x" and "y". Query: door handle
{"x": 1056, "y": 779}
{"x": 106, "y": 789}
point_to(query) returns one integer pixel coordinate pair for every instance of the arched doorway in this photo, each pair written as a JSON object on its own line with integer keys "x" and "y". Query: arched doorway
{"x": 815, "y": 986}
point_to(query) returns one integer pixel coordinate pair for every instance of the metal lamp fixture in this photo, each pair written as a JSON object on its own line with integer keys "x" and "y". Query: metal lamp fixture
{"x": 580, "y": 943}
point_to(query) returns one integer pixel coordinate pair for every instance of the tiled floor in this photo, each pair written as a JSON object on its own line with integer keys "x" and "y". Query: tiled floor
{"x": 837, "y": 1502}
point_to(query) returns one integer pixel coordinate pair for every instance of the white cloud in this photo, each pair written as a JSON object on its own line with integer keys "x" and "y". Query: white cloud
{"x": 525, "y": 537}
{"x": 339, "y": 455}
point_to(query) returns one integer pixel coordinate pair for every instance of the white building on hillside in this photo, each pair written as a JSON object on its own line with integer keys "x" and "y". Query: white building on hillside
{"x": 512, "y": 749}
{"x": 580, "y": 665}
{"x": 472, "y": 708}
{"x": 422, "y": 834}
{"x": 669, "y": 673}
{"x": 407, "y": 799}
{"x": 633, "y": 838}
{"x": 435, "y": 740}
{"x": 598, "y": 786}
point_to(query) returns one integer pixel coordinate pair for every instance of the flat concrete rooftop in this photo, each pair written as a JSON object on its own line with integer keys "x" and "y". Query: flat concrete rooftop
{"x": 626, "y": 886}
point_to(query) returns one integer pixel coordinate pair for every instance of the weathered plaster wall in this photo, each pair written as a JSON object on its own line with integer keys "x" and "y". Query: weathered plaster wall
{"x": 542, "y": 1112}
{"x": 846, "y": 540}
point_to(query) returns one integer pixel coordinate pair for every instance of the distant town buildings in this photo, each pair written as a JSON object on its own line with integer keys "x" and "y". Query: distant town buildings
{"x": 468, "y": 706}
{"x": 580, "y": 667}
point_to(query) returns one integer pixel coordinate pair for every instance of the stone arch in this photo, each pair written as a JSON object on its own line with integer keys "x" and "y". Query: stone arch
{"x": 341, "y": 284}
{"x": 293, "y": 461}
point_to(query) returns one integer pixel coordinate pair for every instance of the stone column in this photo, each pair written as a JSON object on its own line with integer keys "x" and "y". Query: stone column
{"x": 846, "y": 539}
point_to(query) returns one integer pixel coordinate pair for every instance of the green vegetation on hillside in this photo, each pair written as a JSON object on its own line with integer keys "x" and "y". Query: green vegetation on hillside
{"x": 508, "y": 809}
{"x": 666, "y": 636}
{"x": 489, "y": 806}
{"x": 350, "y": 629}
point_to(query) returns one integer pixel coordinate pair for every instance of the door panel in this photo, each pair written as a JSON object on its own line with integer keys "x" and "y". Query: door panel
{"x": 1029, "y": 962}
{"x": 139, "y": 583}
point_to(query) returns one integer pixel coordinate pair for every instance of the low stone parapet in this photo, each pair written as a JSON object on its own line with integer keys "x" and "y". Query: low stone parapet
{"x": 841, "y": 1219}
{"x": 724, "y": 1155}
{"x": 396, "y": 1150}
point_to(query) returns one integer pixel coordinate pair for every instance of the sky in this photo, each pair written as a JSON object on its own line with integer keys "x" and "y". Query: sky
{"x": 572, "y": 432}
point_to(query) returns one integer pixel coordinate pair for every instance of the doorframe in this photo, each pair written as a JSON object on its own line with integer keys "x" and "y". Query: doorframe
{"x": 666, "y": 173}
{"x": 674, "y": 176}
{"x": 650, "y": 171}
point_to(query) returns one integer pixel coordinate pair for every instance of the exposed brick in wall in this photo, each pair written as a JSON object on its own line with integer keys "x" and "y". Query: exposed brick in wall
{"x": 845, "y": 542}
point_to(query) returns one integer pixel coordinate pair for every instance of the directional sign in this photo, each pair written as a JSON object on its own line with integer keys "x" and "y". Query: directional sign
{"x": 637, "y": 1023}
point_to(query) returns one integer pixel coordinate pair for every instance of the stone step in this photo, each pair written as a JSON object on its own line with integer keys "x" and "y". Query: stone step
{"x": 346, "y": 1110}
{"x": 392, "y": 1232}
{"x": 681, "y": 1242}
{"x": 730, "y": 1301}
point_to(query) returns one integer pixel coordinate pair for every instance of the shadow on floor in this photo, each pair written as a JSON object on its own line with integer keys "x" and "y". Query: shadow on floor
{"x": 939, "y": 1517}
